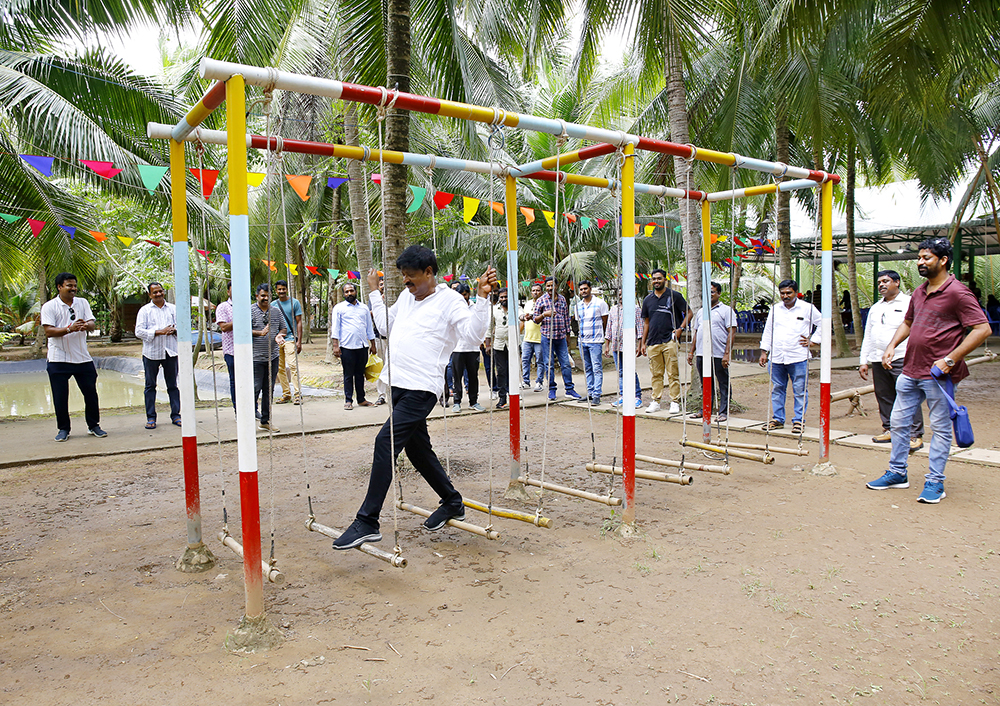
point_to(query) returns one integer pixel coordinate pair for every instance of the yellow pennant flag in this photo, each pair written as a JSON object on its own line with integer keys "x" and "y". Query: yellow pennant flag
{"x": 498, "y": 207}
{"x": 648, "y": 230}
{"x": 255, "y": 178}
{"x": 529, "y": 215}
{"x": 300, "y": 184}
{"x": 550, "y": 218}
{"x": 469, "y": 208}
{"x": 127, "y": 241}
{"x": 293, "y": 268}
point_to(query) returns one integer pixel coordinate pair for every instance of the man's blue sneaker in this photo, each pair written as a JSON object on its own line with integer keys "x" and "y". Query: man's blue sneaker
{"x": 932, "y": 493}
{"x": 62, "y": 435}
{"x": 98, "y": 432}
{"x": 888, "y": 480}
{"x": 357, "y": 534}
{"x": 552, "y": 395}
{"x": 573, "y": 395}
{"x": 617, "y": 403}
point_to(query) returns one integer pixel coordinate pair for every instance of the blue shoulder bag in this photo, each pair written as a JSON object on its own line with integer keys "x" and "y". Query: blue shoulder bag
{"x": 964, "y": 436}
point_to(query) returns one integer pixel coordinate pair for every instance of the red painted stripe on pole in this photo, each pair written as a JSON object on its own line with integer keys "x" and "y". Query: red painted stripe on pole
{"x": 824, "y": 421}
{"x": 595, "y": 151}
{"x": 515, "y": 427}
{"x": 192, "y": 493}
{"x": 823, "y": 176}
{"x": 403, "y": 101}
{"x": 628, "y": 459}
{"x": 664, "y": 147}
{"x": 250, "y": 512}
{"x": 298, "y": 146}
{"x": 215, "y": 96}
{"x": 706, "y": 408}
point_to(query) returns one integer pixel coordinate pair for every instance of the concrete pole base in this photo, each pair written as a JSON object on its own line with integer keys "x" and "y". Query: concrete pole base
{"x": 627, "y": 530}
{"x": 517, "y": 491}
{"x": 197, "y": 558}
{"x": 824, "y": 468}
{"x": 253, "y": 635}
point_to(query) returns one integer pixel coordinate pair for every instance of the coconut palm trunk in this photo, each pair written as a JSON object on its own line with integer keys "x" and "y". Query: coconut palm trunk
{"x": 852, "y": 256}
{"x": 356, "y": 198}
{"x": 397, "y": 138}
{"x": 782, "y": 141}
{"x": 331, "y": 291}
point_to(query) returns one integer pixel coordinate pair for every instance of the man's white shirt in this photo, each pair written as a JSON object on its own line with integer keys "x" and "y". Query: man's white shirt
{"x": 71, "y": 348}
{"x": 723, "y": 317}
{"x": 590, "y": 319}
{"x": 883, "y": 320}
{"x": 152, "y": 318}
{"x": 785, "y": 327}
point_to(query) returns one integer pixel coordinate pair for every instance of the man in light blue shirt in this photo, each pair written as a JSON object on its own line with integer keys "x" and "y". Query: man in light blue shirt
{"x": 592, "y": 316}
{"x": 353, "y": 337}
{"x": 288, "y": 361}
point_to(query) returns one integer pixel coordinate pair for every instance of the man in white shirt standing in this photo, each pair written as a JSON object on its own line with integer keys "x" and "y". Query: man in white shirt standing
{"x": 884, "y": 318}
{"x": 353, "y": 337}
{"x": 499, "y": 335}
{"x": 788, "y": 331}
{"x": 723, "y": 328}
{"x": 156, "y": 327}
{"x": 425, "y": 325}
{"x": 592, "y": 317}
{"x": 66, "y": 321}
{"x": 465, "y": 360}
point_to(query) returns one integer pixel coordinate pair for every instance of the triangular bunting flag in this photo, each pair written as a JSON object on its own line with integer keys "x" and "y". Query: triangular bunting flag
{"x": 351, "y": 274}
{"x": 570, "y": 217}
{"x": 740, "y": 242}
{"x": 550, "y": 218}
{"x": 151, "y": 175}
{"x": 333, "y": 273}
{"x": 601, "y": 222}
{"x": 442, "y": 199}
{"x": 207, "y": 179}
{"x": 529, "y": 215}
{"x": 36, "y": 226}
{"x": 227, "y": 258}
{"x": 334, "y": 182}
{"x": 648, "y": 230}
{"x": 312, "y": 270}
{"x": 469, "y": 208}
{"x": 301, "y": 185}
{"x": 377, "y": 178}
{"x": 270, "y": 263}
{"x": 103, "y": 169}
{"x": 255, "y": 179}
{"x": 497, "y": 206}
{"x": 98, "y": 235}
{"x": 152, "y": 242}
{"x": 636, "y": 227}
{"x": 293, "y": 268}
{"x": 9, "y": 218}
{"x": 449, "y": 278}
{"x": 418, "y": 198}
{"x": 204, "y": 254}
{"x": 42, "y": 164}
{"x": 126, "y": 241}
{"x": 584, "y": 222}
{"x": 70, "y": 229}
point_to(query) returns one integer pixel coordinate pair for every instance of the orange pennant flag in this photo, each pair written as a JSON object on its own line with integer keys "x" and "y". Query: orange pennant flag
{"x": 636, "y": 228}
{"x": 270, "y": 263}
{"x": 300, "y": 184}
{"x": 98, "y": 236}
{"x": 570, "y": 217}
{"x": 529, "y": 215}
{"x": 498, "y": 207}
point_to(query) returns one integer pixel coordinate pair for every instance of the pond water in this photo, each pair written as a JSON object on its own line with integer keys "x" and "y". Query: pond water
{"x": 746, "y": 355}
{"x": 23, "y": 394}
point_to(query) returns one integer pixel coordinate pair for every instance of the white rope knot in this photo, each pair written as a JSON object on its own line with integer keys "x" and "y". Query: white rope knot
{"x": 272, "y": 79}
{"x": 826, "y": 177}
{"x": 384, "y": 104}
{"x": 694, "y": 152}
{"x": 432, "y": 166}
{"x": 279, "y": 145}
{"x": 738, "y": 161}
{"x": 622, "y": 139}
{"x": 784, "y": 170}
{"x": 563, "y": 135}
{"x": 367, "y": 152}
{"x": 499, "y": 116}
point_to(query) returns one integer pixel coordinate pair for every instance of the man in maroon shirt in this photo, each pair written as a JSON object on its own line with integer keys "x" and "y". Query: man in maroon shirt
{"x": 940, "y": 311}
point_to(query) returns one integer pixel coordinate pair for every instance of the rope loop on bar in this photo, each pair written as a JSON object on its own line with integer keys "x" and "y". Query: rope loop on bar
{"x": 499, "y": 116}
{"x": 784, "y": 170}
{"x": 563, "y": 135}
{"x": 826, "y": 177}
{"x": 694, "y": 152}
{"x": 385, "y": 104}
{"x": 272, "y": 80}
{"x": 622, "y": 139}
{"x": 498, "y": 138}
{"x": 433, "y": 165}
{"x": 367, "y": 152}
{"x": 738, "y": 161}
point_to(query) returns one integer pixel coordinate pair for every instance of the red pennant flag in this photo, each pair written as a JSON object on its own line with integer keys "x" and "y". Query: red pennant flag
{"x": 152, "y": 242}
{"x": 207, "y": 179}
{"x": 104, "y": 169}
{"x": 449, "y": 278}
{"x": 570, "y": 217}
{"x": 36, "y": 226}
{"x": 377, "y": 178}
{"x": 442, "y": 199}
{"x": 730, "y": 261}
{"x": 204, "y": 254}
{"x": 601, "y": 222}
{"x": 756, "y": 243}
{"x": 312, "y": 270}
{"x": 768, "y": 248}
{"x": 353, "y": 274}
{"x": 740, "y": 242}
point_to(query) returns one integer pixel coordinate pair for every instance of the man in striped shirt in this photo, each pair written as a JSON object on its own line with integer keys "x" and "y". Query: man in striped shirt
{"x": 552, "y": 312}
{"x": 268, "y": 329}
{"x": 156, "y": 327}
{"x": 592, "y": 315}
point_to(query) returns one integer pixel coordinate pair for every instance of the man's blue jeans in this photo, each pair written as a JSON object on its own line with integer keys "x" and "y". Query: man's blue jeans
{"x": 619, "y": 363}
{"x": 529, "y": 349}
{"x": 593, "y": 366}
{"x": 781, "y": 373}
{"x": 560, "y": 355}
{"x": 909, "y": 394}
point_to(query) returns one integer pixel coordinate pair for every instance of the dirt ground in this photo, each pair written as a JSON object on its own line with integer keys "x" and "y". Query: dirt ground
{"x": 768, "y": 586}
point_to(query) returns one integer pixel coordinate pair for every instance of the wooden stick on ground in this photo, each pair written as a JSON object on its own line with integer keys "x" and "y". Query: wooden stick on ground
{"x": 761, "y": 447}
{"x": 270, "y": 572}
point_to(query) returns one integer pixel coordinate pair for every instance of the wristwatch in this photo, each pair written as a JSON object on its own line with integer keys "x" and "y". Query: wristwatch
{"x": 949, "y": 362}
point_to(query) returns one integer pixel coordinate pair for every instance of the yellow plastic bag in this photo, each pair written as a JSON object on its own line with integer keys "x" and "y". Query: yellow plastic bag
{"x": 373, "y": 368}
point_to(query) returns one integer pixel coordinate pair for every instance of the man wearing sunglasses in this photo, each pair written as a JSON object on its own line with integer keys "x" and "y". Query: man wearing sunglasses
{"x": 66, "y": 320}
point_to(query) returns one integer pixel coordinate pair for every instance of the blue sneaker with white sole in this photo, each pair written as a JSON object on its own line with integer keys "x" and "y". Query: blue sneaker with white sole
{"x": 889, "y": 479}
{"x": 932, "y": 493}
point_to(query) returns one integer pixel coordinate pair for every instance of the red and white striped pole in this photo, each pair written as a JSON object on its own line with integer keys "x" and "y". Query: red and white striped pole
{"x": 826, "y": 353}
{"x": 513, "y": 350}
{"x": 628, "y": 334}
{"x": 705, "y": 335}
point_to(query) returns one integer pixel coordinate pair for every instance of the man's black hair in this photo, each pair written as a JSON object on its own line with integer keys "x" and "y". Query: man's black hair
{"x": 345, "y": 285}
{"x": 549, "y": 279}
{"x": 63, "y": 276}
{"x": 462, "y": 288}
{"x": 149, "y": 288}
{"x": 536, "y": 284}
{"x": 788, "y": 284}
{"x": 660, "y": 271}
{"x": 417, "y": 258}
{"x": 584, "y": 282}
{"x": 939, "y": 247}
{"x": 263, "y": 287}
{"x": 717, "y": 287}
{"x": 503, "y": 290}
{"x": 281, "y": 283}
{"x": 891, "y": 274}
{"x": 229, "y": 284}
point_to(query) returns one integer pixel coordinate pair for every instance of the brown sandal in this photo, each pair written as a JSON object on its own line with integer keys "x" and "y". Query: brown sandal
{"x": 348, "y": 405}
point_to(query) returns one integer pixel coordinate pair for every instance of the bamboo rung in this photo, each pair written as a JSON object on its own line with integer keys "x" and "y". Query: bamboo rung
{"x": 679, "y": 478}
{"x": 761, "y": 447}
{"x": 457, "y": 524}
{"x": 270, "y": 572}
{"x": 536, "y": 520}
{"x": 725, "y": 470}
{"x": 759, "y": 458}
{"x": 371, "y": 550}
{"x": 582, "y": 494}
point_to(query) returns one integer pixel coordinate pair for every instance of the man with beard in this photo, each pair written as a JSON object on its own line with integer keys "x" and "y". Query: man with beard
{"x": 664, "y": 316}
{"x": 497, "y": 341}
{"x": 353, "y": 337}
{"x": 156, "y": 327}
{"x": 940, "y": 311}
{"x": 425, "y": 325}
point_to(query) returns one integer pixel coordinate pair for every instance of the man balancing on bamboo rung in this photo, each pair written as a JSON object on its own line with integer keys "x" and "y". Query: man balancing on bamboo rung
{"x": 425, "y": 325}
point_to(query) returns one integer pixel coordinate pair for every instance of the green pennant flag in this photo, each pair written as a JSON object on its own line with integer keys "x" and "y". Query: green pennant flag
{"x": 9, "y": 218}
{"x": 333, "y": 273}
{"x": 151, "y": 175}
{"x": 584, "y": 222}
{"x": 418, "y": 198}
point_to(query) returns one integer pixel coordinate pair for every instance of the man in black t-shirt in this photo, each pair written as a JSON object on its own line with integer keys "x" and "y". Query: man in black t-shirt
{"x": 665, "y": 313}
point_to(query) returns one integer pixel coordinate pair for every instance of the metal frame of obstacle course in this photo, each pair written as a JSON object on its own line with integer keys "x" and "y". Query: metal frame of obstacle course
{"x": 230, "y": 87}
